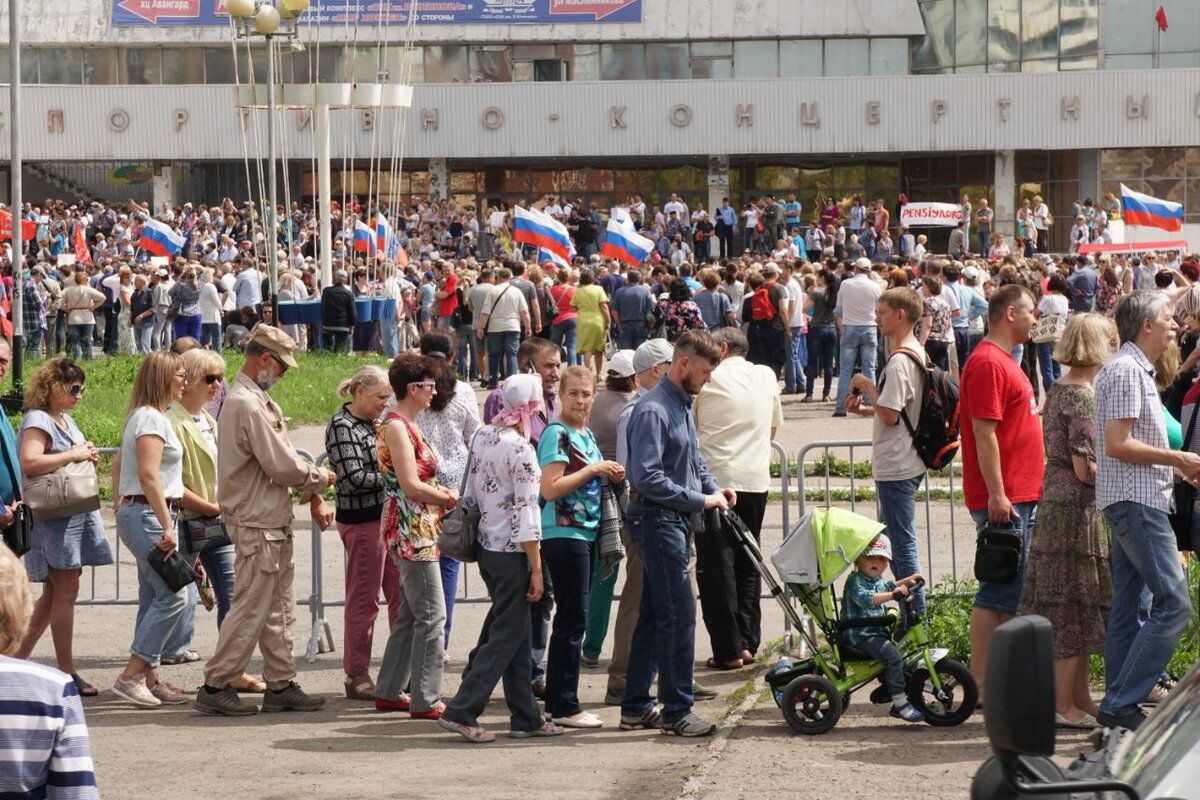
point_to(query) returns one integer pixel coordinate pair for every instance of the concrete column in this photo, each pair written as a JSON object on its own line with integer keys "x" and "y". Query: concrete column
{"x": 1005, "y": 181}
{"x": 439, "y": 179}
{"x": 163, "y": 188}
{"x": 718, "y": 181}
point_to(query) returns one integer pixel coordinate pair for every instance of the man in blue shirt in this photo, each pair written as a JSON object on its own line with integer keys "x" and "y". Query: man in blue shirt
{"x": 725, "y": 221}
{"x": 792, "y": 209}
{"x": 1082, "y": 283}
{"x": 631, "y": 306}
{"x": 669, "y": 484}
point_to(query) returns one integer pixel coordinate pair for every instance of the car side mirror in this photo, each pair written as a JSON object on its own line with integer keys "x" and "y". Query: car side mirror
{"x": 1018, "y": 703}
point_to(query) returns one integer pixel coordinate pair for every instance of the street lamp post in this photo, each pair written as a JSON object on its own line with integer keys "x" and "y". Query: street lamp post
{"x": 269, "y": 21}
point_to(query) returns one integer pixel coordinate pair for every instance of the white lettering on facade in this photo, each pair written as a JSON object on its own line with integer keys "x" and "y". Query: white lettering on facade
{"x": 616, "y": 116}
{"x": 681, "y": 116}
{"x": 1004, "y": 104}
{"x": 118, "y": 120}
{"x": 181, "y": 118}
{"x": 745, "y": 115}
{"x": 1137, "y": 109}
{"x": 429, "y": 119}
{"x": 873, "y": 112}
{"x": 492, "y": 118}
{"x": 1070, "y": 108}
{"x": 809, "y": 115}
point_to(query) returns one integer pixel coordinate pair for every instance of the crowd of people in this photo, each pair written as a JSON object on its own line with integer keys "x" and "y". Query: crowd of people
{"x": 627, "y": 408}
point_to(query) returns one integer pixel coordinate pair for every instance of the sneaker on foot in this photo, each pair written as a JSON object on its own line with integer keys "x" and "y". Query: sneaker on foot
{"x": 169, "y": 695}
{"x": 692, "y": 725}
{"x": 223, "y": 702}
{"x": 907, "y": 712}
{"x": 584, "y": 719}
{"x": 702, "y": 692}
{"x": 1130, "y": 721}
{"x": 588, "y": 662}
{"x": 134, "y": 690}
{"x": 650, "y": 719}
{"x": 290, "y": 698}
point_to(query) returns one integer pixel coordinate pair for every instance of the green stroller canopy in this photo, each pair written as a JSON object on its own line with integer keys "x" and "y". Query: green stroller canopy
{"x": 823, "y": 545}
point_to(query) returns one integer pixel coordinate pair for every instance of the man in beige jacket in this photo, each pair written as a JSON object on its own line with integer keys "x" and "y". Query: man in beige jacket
{"x": 256, "y": 469}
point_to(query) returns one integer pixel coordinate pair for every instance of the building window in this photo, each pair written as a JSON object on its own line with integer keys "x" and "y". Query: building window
{"x": 667, "y": 61}
{"x": 139, "y": 65}
{"x": 61, "y": 65}
{"x": 802, "y": 58}
{"x": 622, "y": 62}
{"x": 100, "y": 66}
{"x": 889, "y": 56}
{"x": 492, "y": 64}
{"x": 446, "y": 64}
{"x": 847, "y": 57}
{"x": 756, "y": 59}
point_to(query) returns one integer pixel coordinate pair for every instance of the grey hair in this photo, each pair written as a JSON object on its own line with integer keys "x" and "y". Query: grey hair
{"x": 1142, "y": 305}
{"x": 734, "y": 339}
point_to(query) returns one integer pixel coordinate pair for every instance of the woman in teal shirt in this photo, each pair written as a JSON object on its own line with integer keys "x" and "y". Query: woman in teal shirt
{"x": 572, "y": 469}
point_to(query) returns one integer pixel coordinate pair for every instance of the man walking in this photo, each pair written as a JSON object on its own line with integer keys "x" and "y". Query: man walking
{"x": 500, "y": 326}
{"x": 1134, "y": 480}
{"x": 668, "y": 485}
{"x": 631, "y": 307}
{"x": 256, "y": 470}
{"x": 737, "y": 415}
{"x": 856, "y": 301}
{"x": 1002, "y": 454}
{"x": 895, "y": 465}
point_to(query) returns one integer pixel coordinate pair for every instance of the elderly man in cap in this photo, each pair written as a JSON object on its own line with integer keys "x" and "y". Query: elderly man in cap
{"x": 256, "y": 469}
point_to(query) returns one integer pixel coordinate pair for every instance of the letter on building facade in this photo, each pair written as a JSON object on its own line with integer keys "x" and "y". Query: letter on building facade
{"x": 118, "y": 120}
{"x": 616, "y": 116}
{"x": 1137, "y": 109}
{"x": 492, "y": 118}
{"x": 937, "y": 110}
{"x": 1004, "y": 104}
{"x": 429, "y": 119}
{"x": 1070, "y": 108}
{"x": 809, "y": 115}
{"x": 873, "y": 115}
{"x": 681, "y": 116}
{"x": 745, "y": 115}
{"x": 181, "y": 118}
{"x": 54, "y": 121}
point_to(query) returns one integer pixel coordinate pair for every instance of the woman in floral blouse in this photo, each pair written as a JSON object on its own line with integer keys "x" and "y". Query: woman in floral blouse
{"x": 504, "y": 481}
{"x": 678, "y": 313}
{"x": 935, "y": 331}
{"x": 412, "y": 509}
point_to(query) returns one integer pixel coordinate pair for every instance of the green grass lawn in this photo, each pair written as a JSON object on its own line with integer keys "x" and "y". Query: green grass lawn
{"x": 308, "y": 396}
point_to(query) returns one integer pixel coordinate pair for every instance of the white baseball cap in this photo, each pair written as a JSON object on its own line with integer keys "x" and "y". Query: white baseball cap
{"x": 621, "y": 364}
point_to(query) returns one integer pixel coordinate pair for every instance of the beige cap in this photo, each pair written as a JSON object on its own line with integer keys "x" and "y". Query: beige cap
{"x": 277, "y": 342}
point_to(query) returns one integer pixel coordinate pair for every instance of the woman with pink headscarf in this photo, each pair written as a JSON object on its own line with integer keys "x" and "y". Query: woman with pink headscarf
{"x": 504, "y": 479}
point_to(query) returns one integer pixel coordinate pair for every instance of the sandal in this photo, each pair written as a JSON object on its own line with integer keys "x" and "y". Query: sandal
{"x": 430, "y": 713}
{"x": 361, "y": 688}
{"x": 732, "y": 664}
{"x": 474, "y": 735}
{"x": 186, "y": 657}
{"x": 548, "y": 729}
{"x": 248, "y": 684}
{"x": 85, "y": 689}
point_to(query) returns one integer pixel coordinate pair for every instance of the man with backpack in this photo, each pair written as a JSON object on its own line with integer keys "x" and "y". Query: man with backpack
{"x": 896, "y": 405}
{"x": 768, "y": 332}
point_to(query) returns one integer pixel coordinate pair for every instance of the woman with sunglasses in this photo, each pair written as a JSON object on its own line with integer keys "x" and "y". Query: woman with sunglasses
{"x": 60, "y": 548}
{"x": 412, "y": 509}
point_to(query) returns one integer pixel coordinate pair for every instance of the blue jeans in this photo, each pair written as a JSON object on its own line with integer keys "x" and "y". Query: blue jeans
{"x": 898, "y": 511}
{"x": 1005, "y": 597}
{"x": 1144, "y": 556}
{"x": 858, "y": 343}
{"x": 502, "y": 355}
{"x": 81, "y": 341}
{"x": 664, "y": 639}
{"x": 1051, "y": 369}
{"x": 793, "y": 370}
{"x": 570, "y": 564}
{"x": 33, "y": 341}
{"x": 186, "y": 326}
{"x": 884, "y": 650}
{"x": 564, "y": 334}
{"x": 210, "y": 335}
{"x": 449, "y": 569}
{"x": 159, "y": 609}
{"x": 821, "y": 341}
{"x": 142, "y": 335}
{"x": 389, "y": 337}
{"x": 632, "y": 334}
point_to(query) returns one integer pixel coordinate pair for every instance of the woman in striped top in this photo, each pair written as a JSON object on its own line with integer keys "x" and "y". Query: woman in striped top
{"x": 44, "y": 748}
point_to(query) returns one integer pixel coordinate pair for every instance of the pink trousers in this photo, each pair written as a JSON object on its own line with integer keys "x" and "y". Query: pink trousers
{"x": 368, "y": 568}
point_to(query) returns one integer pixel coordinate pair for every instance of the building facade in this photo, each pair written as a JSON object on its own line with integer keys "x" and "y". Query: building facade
{"x": 1003, "y": 99}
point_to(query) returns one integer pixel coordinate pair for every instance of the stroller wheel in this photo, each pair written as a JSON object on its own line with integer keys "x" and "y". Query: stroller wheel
{"x": 950, "y": 705}
{"x": 811, "y": 704}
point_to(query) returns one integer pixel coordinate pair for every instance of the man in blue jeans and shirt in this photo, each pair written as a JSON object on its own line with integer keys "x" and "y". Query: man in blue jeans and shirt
{"x": 856, "y": 300}
{"x": 669, "y": 485}
{"x": 1134, "y": 482}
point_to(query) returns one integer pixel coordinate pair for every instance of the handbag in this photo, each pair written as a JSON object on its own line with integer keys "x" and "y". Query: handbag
{"x": 1048, "y": 328}
{"x": 174, "y": 569}
{"x": 204, "y": 533}
{"x": 17, "y": 535}
{"x": 1184, "y": 496}
{"x": 998, "y": 553}
{"x": 458, "y": 537}
{"x": 69, "y": 490}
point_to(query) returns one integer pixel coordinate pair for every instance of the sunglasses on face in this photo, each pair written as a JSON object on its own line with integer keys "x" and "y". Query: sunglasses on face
{"x": 211, "y": 379}
{"x": 282, "y": 366}
{"x": 76, "y": 390}
{"x": 424, "y": 384}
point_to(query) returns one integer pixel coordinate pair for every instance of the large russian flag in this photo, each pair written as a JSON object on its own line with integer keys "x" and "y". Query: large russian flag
{"x": 385, "y": 237}
{"x": 159, "y": 239}
{"x": 531, "y": 226}
{"x": 364, "y": 237}
{"x": 623, "y": 243}
{"x": 1142, "y": 209}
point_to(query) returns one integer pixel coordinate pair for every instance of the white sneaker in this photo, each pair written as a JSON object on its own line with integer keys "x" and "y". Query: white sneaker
{"x": 584, "y": 719}
{"x": 134, "y": 690}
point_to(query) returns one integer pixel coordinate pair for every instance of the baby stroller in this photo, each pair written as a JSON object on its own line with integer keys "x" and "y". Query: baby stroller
{"x": 814, "y": 692}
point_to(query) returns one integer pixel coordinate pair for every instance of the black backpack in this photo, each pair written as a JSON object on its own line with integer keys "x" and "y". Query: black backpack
{"x": 935, "y": 435}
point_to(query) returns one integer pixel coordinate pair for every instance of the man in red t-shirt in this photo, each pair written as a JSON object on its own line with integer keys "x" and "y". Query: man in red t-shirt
{"x": 447, "y": 293}
{"x": 1002, "y": 453}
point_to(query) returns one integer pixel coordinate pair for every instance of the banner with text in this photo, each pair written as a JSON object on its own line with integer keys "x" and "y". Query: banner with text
{"x": 390, "y": 12}
{"x": 924, "y": 215}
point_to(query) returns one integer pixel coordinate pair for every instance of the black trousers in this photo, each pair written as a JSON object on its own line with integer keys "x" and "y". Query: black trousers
{"x": 730, "y": 583}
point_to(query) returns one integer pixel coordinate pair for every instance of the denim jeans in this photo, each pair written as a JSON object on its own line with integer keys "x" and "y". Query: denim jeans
{"x": 218, "y": 566}
{"x": 413, "y": 656}
{"x": 898, "y": 511}
{"x": 962, "y": 345}
{"x": 449, "y": 570}
{"x": 60, "y": 332}
{"x": 505, "y": 650}
{"x": 33, "y": 342}
{"x": 186, "y": 326}
{"x": 665, "y": 637}
{"x": 389, "y": 337}
{"x": 159, "y": 609}
{"x": 1005, "y": 597}
{"x": 570, "y": 565}
{"x": 884, "y": 650}
{"x": 337, "y": 341}
{"x": 142, "y": 335}
{"x": 793, "y": 370}
{"x": 564, "y": 334}
{"x": 858, "y": 344}
{"x": 1144, "y": 556}
{"x": 81, "y": 341}
{"x": 632, "y": 334}
{"x": 502, "y": 355}
{"x": 210, "y": 335}
{"x": 821, "y": 343}
{"x": 1051, "y": 369}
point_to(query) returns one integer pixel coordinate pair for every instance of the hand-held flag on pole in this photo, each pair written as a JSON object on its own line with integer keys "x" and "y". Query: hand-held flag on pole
{"x": 1160, "y": 17}
{"x": 1142, "y": 209}
{"x": 534, "y": 227}
{"x": 623, "y": 243}
{"x": 159, "y": 239}
{"x": 83, "y": 253}
{"x": 364, "y": 237}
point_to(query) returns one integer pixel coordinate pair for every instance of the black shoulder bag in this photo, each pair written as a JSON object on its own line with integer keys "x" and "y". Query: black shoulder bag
{"x": 1185, "y": 496}
{"x": 17, "y": 535}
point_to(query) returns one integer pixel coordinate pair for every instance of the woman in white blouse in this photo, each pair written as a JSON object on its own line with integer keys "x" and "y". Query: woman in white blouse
{"x": 505, "y": 481}
{"x": 448, "y": 424}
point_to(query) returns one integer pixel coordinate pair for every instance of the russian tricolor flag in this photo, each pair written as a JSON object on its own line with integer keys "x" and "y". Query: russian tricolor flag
{"x": 159, "y": 239}
{"x": 364, "y": 237}
{"x": 1142, "y": 209}
{"x": 623, "y": 243}
{"x": 385, "y": 237}
{"x": 554, "y": 258}
{"x": 534, "y": 227}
